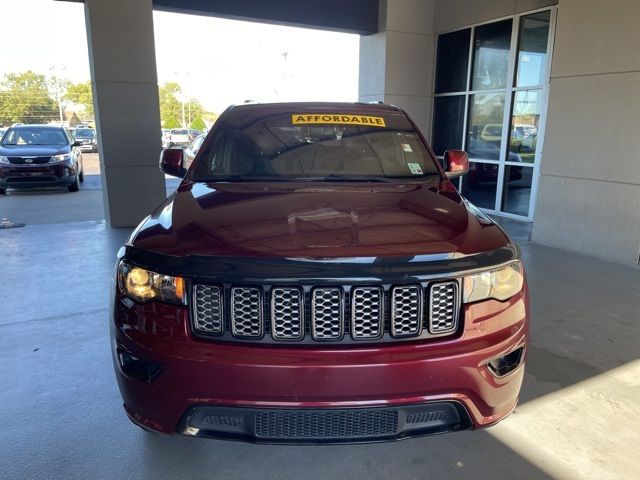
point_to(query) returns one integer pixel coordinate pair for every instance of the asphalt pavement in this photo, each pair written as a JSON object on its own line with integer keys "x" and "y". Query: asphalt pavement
{"x": 58, "y": 205}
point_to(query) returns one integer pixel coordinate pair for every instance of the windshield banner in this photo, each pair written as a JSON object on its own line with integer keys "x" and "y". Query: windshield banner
{"x": 342, "y": 119}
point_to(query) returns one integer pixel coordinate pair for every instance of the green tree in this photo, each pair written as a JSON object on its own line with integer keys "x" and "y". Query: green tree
{"x": 81, "y": 94}
{"x": 25, "y": 98}
{"x": 170, "y": 106}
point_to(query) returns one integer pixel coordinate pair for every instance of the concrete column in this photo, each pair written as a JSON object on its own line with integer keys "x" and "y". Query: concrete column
{"x": 125, "y": 91}
{"x": 397, "y": 64}
{"x": 589, "y": 190}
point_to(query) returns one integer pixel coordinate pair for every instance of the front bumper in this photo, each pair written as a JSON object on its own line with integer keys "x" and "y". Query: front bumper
{"x": 60, "y": 174}
{"x": 303, "y": 379}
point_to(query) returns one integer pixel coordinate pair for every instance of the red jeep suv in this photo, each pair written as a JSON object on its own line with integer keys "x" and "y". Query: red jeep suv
{"x": 317, "y": 278}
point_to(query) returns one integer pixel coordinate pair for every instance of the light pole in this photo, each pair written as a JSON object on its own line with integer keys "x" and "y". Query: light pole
{"x": 53, "y": 68}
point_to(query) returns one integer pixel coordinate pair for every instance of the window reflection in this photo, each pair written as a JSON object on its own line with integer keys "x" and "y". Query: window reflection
{"x": 453, "y": 61}
{"x": 491, "y": 55}
{"x": 484, "y": 132}
{"x": 532, "y": 51}
{"x": 524, "y": 124}
{"x": 516, "y": 191}
{"x": 448, "y": 119}
{"x": 479, "y": 185}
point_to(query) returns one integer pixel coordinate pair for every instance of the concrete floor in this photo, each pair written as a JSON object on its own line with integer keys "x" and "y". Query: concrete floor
{"x": 61, "y": 414}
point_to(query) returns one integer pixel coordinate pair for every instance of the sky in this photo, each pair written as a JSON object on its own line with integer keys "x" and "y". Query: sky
{"x": 217, "y": 61}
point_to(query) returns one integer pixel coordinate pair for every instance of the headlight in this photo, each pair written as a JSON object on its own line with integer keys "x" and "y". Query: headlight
{"x": 143, "y": 285}
{"x": 61, "y": 158}
{"x": 4, "y": 159}
{"x": 500, "y": 284}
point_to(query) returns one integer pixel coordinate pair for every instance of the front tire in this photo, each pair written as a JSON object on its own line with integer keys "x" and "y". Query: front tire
{"x": 75, "y": 186}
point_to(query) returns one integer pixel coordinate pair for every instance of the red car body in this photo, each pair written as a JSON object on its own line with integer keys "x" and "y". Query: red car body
{"x": 174, "y": 379}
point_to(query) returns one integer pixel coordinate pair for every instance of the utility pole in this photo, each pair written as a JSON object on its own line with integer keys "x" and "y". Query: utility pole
{"x": 53, "y": 68}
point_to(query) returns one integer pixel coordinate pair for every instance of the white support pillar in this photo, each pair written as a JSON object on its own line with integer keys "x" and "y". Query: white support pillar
{"x": 125, "y": 92}
{"x": 397, "y": 64}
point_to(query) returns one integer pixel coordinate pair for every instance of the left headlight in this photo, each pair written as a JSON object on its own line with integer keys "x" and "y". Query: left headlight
{"x": 501, "y": 284}
{"x": 61, "y": 158}
{"x": 4, "y": 159}
{"x": 144, "y": 285}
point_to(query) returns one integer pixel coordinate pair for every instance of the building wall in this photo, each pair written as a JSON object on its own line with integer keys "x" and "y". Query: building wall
{"x": 396, "y": 64}
{"x": 589, "y": 191}
{"x": 454, "y": 14}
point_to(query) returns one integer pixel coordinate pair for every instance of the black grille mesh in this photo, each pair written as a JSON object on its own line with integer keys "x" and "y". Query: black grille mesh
{"x": 336, "y": 424}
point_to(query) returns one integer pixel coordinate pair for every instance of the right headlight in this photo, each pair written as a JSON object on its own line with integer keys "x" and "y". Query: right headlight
{"x": 501, "y": 284}
{"x": 4, "y": 159}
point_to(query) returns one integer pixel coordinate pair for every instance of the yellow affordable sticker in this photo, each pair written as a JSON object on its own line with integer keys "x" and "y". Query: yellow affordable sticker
{"x": 339, "y": 119}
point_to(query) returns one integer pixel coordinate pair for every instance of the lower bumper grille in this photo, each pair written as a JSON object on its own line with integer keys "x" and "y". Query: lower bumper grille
{"x": 327, "y": 425}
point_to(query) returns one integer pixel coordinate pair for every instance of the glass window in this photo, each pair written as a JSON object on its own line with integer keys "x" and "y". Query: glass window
{"x": 532, "y": 49}
{"x": 453, "y": 61}
{"x": 517, "y": 189}
{"x": 448, "y": 123}
{"x": 524, "y": 125}
{"x": 484, "y": 129}
{"x": 491, "y": 55}
{"x": 479, "y": 185}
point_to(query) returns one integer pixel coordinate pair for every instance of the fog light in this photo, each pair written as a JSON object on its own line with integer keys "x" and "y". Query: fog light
{"x": 137, "y": 368}
{"x": 502, "y": 366}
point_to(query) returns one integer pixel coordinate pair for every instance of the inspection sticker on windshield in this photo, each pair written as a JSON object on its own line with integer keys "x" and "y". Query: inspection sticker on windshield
{"x": 340, "y": 119}
{"x": 415, "y": 168}
{"x": 406, "y": 147}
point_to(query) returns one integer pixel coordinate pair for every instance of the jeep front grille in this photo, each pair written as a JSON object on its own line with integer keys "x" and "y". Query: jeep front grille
{"x": 327, "y": 314}
{"x": 311, "y": 313}
{"x": 443, "y": 307}
{"x": 207, "y": 309}
{"x": 366, "y": 312}
{"x": 286, "y": 314}
{"x": 246, "y": 312}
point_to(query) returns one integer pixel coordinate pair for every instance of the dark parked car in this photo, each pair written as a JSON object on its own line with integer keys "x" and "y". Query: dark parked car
{"x": 40, "y": 156}
{"x": 317, "y": 278}
{"x": 88, "y": 139}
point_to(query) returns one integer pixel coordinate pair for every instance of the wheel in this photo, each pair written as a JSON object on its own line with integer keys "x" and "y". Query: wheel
{"x": 81, "y": 176}
{"x": 75, "y": 186}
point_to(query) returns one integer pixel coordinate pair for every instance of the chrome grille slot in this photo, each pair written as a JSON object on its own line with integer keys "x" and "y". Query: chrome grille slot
{"x": 207, "y": 309}
{"x": 246, "y": 312}
{"x": 327, "y": 314}
{"x": 406, "y": 311}
{"x": 366, "y": 312}
{"x": 286, "y": 314}
{"x": 443, "y": 307}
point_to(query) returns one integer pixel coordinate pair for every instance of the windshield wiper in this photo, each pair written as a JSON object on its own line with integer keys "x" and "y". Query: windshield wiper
{"x": 244, "y": 178}
{"x": 334, "y": 177}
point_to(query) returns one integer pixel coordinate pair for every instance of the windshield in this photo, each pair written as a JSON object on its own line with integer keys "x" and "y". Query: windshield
{"x": 35, "y": 136}
{"x": 84, "y": 132}
{"x": 336, "y": 147}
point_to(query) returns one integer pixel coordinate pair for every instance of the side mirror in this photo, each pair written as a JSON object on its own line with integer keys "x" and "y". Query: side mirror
{"x": 76, "y": 143}
{"x": 172, "y": 162}
{"x": 457, "y": 163}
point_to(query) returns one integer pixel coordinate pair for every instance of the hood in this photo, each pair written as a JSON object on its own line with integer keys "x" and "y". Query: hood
{"x": 322, "y": 220}
{"x": 33, "y": 150}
